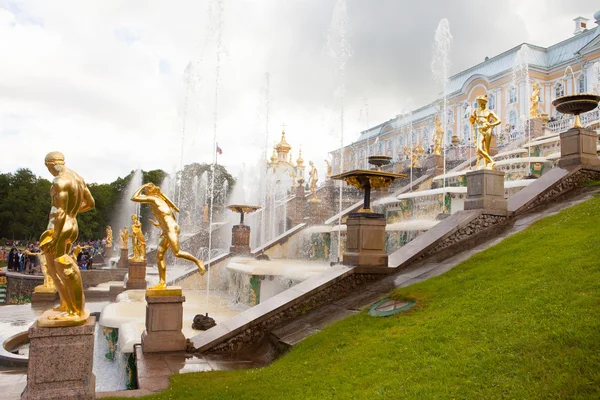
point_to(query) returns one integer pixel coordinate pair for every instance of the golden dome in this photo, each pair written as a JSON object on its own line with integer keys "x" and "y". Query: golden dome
{"x": 300, "y": 160}
{"x": 282, "y": 147}
{"x": 274, "y": 157}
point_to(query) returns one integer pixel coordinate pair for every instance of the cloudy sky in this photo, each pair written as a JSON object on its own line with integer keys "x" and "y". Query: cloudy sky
{"x": 105, "y": 82}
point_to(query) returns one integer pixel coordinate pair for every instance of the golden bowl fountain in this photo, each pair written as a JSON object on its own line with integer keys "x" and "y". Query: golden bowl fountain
{"x": 243, "y": 209}
{"x": 367, "y": 179}
{"x": 576, "y": 104}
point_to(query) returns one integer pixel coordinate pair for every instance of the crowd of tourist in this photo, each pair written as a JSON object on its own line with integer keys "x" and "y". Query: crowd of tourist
{"x": 24, "y": 257}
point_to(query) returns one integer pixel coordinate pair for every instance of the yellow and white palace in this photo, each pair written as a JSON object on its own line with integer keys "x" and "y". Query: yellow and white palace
{"x": 568, "y": 67}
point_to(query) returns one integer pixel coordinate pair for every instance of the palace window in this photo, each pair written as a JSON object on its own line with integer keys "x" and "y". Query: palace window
{"x": 450, "y": 116}
{"x": 425, "y": 137}
{"x": 512, "y": 95}
{"x": 559, "y": 90}
{"x": 449, "y": 134}
{"x": 491, "y": 101}
{"x": 512, "y": 119}
{"x": 581, "y": 84}
{"x": 466, "y": 132}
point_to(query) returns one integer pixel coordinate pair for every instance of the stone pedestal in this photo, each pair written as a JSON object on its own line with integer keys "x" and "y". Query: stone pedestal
{"x": 46, "y": 296}
{"x": 535, "y": 126}
{"x": 136, "y": 278}
{"x": 485, "y": 190}
{"x": 315, "y": 211}
{"x": 123, "y": 259}
{"x": 578, "y": 147}
{"x": 240, "y": 240}
{"x": 60, "y": 363}
{"x": 164, "y": 320}
{"x": 438, "y": 164}
{"x": 365, "y": 240}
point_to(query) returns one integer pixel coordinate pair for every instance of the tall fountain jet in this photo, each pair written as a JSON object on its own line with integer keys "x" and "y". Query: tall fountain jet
{"x": 340, "y": 49}
{"x": 440, "y": 66}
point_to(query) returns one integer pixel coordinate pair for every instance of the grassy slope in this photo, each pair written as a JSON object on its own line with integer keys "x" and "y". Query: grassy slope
{"x": 519, "y": 320}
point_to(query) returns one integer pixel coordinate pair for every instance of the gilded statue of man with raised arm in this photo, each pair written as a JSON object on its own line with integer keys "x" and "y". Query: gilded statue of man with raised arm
{"x": 164, "y": 211}
{"x": 70, "y": 196}
{"x": 484, "y": 120}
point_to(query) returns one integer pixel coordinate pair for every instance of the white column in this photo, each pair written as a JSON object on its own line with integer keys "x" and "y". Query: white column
{"x": 499, "y": 102}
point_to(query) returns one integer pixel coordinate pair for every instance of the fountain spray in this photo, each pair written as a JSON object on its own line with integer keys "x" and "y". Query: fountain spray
{"x": 339, "y": 47}
{"x": 440, "y": 66}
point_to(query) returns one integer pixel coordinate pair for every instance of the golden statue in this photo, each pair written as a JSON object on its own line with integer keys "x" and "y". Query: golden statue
{"x": 48, "y": 285}
{"x": 438, "y": 137}
{"x": 124, "y": 238}
{"x": 414, "y": 155}
{"x": 535, "y": 101}
{"x": 109, "y": 237}
{"x": 485, "y": 120}
{"x": 329, "y": 168}
{"x": 70, "y": 196}
{"x": 138, "y": 241}
{"x": 164, "y": 211}
{"x": 313, "y": 178}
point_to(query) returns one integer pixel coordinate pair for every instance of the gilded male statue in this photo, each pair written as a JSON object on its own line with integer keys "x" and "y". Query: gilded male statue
{"x": 69, "y": 196}
{"x": 164, "y": 211}
{"x": 124, "y": 238}
{"x": 484, "y": 120}
{"x": 535, "y": 101}
{"x": 109, "y": 237}
{"x": 138, "y": 241}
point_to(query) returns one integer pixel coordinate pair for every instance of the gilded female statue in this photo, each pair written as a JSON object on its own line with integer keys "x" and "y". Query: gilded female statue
{"x": 138, "y": 241}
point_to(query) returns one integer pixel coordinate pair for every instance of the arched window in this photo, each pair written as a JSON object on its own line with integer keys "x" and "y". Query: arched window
{"x": 512, "y": 95}
{"x": 581, "y": 84}
{"x": 388, "y": 144}
{"x": 380, "y": 148}
{"x": 425, "y": 137}
{"x": 466, "y": 132}
{"x": 491, "y": 101}
{"x": 559, "y": 90}
{"x": 450, "y": 119}
{"x": 513, "y": 119}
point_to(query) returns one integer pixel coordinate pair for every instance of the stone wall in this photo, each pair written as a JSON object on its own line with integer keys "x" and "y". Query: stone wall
{"x": 329, "y": 294}
{"x": 95, "y": 277}
{"x": 20, "y": 287}
{"x": 562, "y": 186}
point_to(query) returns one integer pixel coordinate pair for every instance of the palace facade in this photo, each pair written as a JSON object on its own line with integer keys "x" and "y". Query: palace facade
{"x": 568, "y": 67}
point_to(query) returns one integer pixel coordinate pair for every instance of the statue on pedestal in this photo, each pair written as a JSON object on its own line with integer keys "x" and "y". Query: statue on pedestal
{"x": 124, "y": 238}
{"x": 438, "y": 137}
{"x": 70, "y": 196}
{"x": 138, "y": 241}
{"x": 109, "y": 237}
{"x": 484, "y": 120}
{"x": 313, "y": 178}
{"x": 164, "y": 211}
{"x": 329, "y": 168}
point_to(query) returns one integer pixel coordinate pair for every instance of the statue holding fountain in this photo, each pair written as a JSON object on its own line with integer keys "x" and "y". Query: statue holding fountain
{"x": 484, "y": 120}
{"x": 138, "y": 241}
{"x": 164, "y": 211}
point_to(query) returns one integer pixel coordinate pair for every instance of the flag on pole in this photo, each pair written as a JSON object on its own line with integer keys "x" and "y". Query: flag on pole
{"x": 219, "y": 151}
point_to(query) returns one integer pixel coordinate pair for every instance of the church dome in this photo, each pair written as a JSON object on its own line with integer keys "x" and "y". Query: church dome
{"x": 300, "y": 160}
{"x": 283, "y": 147}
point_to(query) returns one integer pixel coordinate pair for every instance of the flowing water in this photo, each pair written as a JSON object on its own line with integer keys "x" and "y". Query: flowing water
{"x": 440, "y": 66}
{"x": 520, "y": 76}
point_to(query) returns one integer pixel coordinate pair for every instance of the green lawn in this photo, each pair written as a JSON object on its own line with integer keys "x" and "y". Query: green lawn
{"x": 518, "y": 321}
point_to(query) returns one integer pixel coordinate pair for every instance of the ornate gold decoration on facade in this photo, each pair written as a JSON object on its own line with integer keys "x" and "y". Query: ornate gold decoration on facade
{"x": 70, "y": 196}
{"x": 164, "y": 211}
{"x": 313, "y": 178}
{"x": 535, "y": 101}
{"x": 438, "y": 137}
{"x": 484, "y": 120}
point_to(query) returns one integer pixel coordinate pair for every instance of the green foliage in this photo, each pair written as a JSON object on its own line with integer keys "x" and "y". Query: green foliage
{"x": 517, "y": 321}
{"x": 25, "y": 201}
